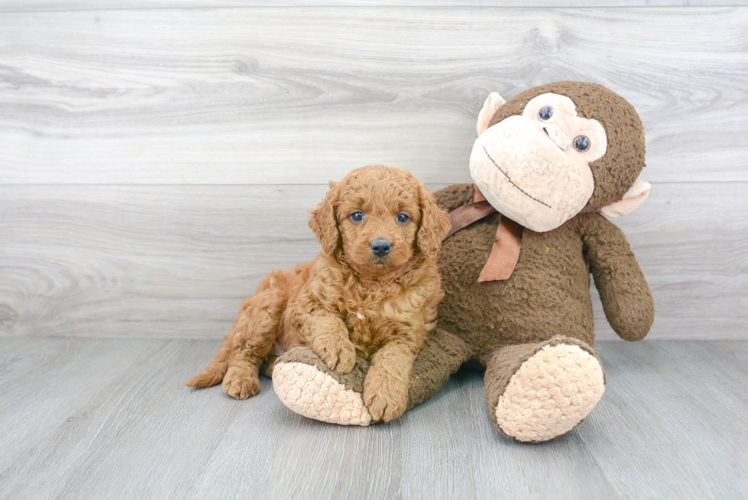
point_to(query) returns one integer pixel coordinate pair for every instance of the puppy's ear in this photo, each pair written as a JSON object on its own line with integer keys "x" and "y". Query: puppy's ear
{"x": 324, "y": 222}
{"x": 434, "y": 223}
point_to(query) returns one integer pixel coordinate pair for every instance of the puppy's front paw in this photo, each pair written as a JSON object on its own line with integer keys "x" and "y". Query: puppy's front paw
{"x": 241, "y": 384}
{"x": 386, "y": 397}
{"x": 338, "y": 353}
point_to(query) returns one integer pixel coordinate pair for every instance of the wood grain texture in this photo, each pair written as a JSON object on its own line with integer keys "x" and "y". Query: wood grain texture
{"x": 177, "y": 261}
{"x": 103, "y": 260}
{"x": 691, "y": 241}
{"x": 683, "y": 400}
{"x": 122, "y": 434}
{"x": 44, "y": 382}
{"x": 300, "y": 95}
{"x": 669, "y": 425}
{"x": 76, "y": 5}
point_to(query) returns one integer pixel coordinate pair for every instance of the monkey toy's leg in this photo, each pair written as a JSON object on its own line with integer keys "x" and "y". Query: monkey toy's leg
{"x": 307, "y": 386}
{"x": 536, "y": 392}
{"x": 251, "y": 342}
{"x": 441, "y": 355}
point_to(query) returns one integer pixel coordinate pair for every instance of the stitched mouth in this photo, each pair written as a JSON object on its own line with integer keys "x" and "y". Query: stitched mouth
{"x": 511, "y": 181}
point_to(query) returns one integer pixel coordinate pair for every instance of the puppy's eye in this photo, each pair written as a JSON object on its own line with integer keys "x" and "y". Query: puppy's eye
{"x": 402, "y": 218}
{"x": 545, "y": 113}
{"x": 357, "y": 217}
{"x": 581, "y": 143}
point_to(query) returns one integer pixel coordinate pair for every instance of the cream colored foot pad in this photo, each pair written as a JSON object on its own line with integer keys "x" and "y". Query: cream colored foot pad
{"x": 550, "y": 394}
{"x": 314, "y": 394}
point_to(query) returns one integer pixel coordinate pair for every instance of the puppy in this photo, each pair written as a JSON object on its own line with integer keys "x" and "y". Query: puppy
{"x": 372, "y": 291}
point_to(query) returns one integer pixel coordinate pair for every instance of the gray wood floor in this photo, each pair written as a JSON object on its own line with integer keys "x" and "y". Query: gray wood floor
{"x": 110, "y": 418}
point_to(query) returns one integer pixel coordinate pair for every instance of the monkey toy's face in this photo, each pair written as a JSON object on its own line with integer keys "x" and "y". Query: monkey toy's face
{"x": 534, "y": 159}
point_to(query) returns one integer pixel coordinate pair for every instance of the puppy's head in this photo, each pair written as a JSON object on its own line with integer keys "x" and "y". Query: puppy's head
{"x": 379, "y": 218}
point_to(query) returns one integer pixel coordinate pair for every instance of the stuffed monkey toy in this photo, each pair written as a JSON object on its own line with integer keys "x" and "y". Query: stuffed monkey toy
{"x": 516, "y": 267}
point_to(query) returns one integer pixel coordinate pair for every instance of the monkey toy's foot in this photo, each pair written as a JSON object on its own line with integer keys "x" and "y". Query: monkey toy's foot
{"x": 544, "y": 390}
{"x": 308, "y": 387}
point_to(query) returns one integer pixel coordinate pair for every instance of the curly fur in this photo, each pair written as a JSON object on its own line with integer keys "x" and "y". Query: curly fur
{"x": 348, "y": 301}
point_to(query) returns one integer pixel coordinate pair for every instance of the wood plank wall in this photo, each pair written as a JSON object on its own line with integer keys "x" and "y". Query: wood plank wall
{"x": 157, "y": 158}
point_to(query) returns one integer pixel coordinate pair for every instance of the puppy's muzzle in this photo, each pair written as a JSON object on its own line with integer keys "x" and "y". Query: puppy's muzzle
{"x": 380, "y": 247}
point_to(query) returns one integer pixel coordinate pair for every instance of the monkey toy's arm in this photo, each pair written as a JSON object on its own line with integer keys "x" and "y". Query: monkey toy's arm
{"x": 624, "y": 292}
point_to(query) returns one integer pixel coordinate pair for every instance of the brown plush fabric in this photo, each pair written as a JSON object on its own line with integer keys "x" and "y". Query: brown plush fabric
{"x": 623, "y": 161}
{"x": 548, "y": 293}
{"x": 624, "y": 293}
{"x": 504, "y": 363}
{"x": 546, "y": 297}
{"x": 353, "y": 380}
{"x": 442, "y": 355}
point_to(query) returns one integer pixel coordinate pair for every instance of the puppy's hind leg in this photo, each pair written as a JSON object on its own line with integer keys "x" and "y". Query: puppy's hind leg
{"x": 215, "y": 371}
{"x": 255, "y": 336}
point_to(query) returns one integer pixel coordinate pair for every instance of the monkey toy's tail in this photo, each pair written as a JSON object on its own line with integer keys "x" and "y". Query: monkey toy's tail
{"x": 215, "y": 371}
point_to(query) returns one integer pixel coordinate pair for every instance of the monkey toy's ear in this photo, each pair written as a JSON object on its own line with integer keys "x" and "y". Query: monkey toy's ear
{"x": 630, "y": 202}
{"x": 493, "y": 102}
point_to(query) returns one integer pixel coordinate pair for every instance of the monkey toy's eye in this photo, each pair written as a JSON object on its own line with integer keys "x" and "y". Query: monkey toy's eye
{"x": 545, "y": 113}
{"x": 402, "y": 218}
{"x": 357, "y": 217}
{"x": 581, "y": 143}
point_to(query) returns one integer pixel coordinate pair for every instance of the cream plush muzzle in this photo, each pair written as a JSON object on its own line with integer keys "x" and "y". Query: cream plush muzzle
{"x": 522, "y": 170}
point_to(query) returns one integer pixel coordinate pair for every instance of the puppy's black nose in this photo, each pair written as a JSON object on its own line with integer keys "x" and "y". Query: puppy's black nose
{"x": 380, "y": 247}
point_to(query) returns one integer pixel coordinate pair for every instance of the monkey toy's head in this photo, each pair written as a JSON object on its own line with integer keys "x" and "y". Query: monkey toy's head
{"x": 559, "y": 149}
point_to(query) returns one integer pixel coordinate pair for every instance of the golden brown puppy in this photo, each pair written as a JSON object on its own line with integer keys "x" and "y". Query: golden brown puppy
{"x": 371, "y": 292}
